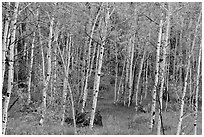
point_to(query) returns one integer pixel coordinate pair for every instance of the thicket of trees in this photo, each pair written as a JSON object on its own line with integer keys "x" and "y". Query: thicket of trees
{"x": 59, "y": 50}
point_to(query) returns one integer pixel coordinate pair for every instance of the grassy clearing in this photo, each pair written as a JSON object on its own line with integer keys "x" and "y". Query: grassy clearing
{"x": 117, "y": 120}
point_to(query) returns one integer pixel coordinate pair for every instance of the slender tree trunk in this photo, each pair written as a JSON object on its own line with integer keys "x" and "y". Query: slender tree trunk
{"x": 92, "y": 60}
{"x": 138, "y": 79}
{"x": 73, "y": 110}
{"x": 131, "y": 73}
{"x": 96, "y": 89}
{"x": 120, "y": 83}
{"x": 4, "y": 46}
{"x": 178, "y": 69}
{"x": 146, "y": 79}
{"x": 127, "y": 75}
{"x": 193, "y": 83}
{"x": 66, "y": 71}
{"x": 88, "y": 64}
{"x": 48, "y": 74}
{"x": 65, "y": 82}
{"x": 197, "y": 90}
{"x": 163, "y": 67}
{"x": 175, "y": 59}
{"x": 98, "y": 74}
{"x": 134, "y": 79}
{"x": 31, "y": 67}
{"x": 54, "y": 77}
{"x": 11, "y": 69}
{"x": 186, "y": 78}
{"x": 154, "y": 93}
{"x": 116, "y": 74}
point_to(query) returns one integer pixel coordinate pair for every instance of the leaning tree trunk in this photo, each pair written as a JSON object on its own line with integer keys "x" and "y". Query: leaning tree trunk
{"x": 96, "y": 89}
{"x": 10, "y": 70}
{"x": 73, "y": 110}
{"x": 66, "y": 71}
{"x": 88, "y": 64}
{"x": 154, "y": 93}
{"x": 186, "y": 79}
{"x": 197, "y": 90}
{"x": 98, "y": 73}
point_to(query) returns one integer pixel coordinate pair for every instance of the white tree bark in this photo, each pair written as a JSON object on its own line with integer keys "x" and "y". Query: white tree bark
{"x": 100, "y": 60}
{"x": 197, "y": 90}
{"x": 96, "y": 90}
{"x": 131, "y": 72}
{"x": 88, "y": 64}
{"x": 31, "y": 67}
{"x": 116, "y": 74}
{"x": 11, "y": 69}
{"x": 154, "y": 93}
{"x": 127, "y": 80}
{"x": 4, "y": 45}
{"x": 138, "y": 79}
{"x": 163, "y": 66}
{"x": 120, "y": 83}
{"x": 48, "y": 74}
{"x": 66, "y": 71}
{"x": 186, "y": 80}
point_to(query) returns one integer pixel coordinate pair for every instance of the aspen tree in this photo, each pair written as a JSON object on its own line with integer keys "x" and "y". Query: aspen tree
{"x": 197, "y": 91}
{"x": 42, "y": 52}
{"x": 54, "y": 77}
{"x": 138, "y": 79}
{"x": 146, "y": 78}
{"x": 4, "y": 44}
{"x": 10, "y": 69}
{"x": 92, "y": 59}
{"x": 192, "y": 93}
{"x": 48, "y": 74}
{"x": 83, "y": 69}
{"x": 65, "y": 83}
{"x": 88, "y": 64}
{"x": 120, "y": 83}
{"x": 100, "y": 60}
{"x": 73, "y": 110}
{"x": 131, "y": 72}
{"x": 154, "y": 93}
{"x": 31, "y": 64}
{"x": 116, "y": 74}
{"x": 186, "y": 79}
{"x": 146, "y": 69}
{"x": 127, "y": 80}
{"x": 178, "y": 69}
{"x": 96, "y": 89}
{"x": 175, "y": 59}
{"x": 163, "y": 66}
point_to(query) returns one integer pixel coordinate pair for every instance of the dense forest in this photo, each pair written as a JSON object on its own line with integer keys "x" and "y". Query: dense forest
{"x": 101, "y": 68}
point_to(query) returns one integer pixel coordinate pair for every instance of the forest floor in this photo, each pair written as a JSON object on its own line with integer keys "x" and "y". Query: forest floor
{"x": 117, "y": 120}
